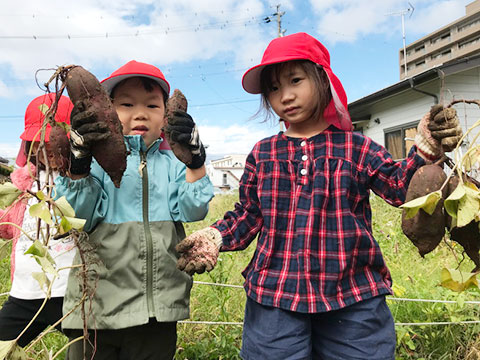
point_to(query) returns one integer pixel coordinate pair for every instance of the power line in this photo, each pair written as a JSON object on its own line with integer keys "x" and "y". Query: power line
{"x": 221, "y": 25}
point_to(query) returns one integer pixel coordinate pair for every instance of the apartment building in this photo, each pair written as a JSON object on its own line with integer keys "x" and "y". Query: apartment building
{"x": 459, "y": 39}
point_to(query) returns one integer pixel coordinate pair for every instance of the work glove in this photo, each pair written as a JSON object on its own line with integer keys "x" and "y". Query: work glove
{"x": 85, "y": 131}
{"x": 199, "y": 251}
{"x": 438, "y": 132}
{"x": 182, "y": 135}
{"x": 445, "y": 127}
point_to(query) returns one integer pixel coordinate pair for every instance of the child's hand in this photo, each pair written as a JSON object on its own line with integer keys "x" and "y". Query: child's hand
{"x": 199, "y": 251}
{"x": 182, "y": 135}
{"x": 445, "y": 127}
{"x": 85, "y": 131}
{"x": 439, "y": 131}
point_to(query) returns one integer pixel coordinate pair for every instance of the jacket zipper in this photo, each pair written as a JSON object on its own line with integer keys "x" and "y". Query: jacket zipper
{"x": 148, "y": 234}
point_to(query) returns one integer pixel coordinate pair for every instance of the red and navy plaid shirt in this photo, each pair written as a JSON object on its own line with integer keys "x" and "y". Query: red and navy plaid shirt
{"x": 309, "y": 201}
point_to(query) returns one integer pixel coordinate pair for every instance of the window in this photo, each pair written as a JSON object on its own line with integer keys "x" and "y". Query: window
{"x": 224, "y": 179}
{"x": 400, "y": 139}
{"x": 420, "y": 48}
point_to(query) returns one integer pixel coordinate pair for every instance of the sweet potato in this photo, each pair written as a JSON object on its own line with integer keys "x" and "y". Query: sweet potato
{"x": 111, "y": 154}
{"x": 424, "y": 230}
{"x": 58, "y": 149}
{"x": 467, "y": 236}
{"x": 177, "y": 102}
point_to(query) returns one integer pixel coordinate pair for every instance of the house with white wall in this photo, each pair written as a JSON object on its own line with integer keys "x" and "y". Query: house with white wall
{"x": 390, "y": 116}
{"x": 225, "y": 173}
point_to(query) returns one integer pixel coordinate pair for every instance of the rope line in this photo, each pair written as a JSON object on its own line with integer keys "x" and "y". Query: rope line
{"x": 396, "y": 324}
{"x": 388, "y": 298}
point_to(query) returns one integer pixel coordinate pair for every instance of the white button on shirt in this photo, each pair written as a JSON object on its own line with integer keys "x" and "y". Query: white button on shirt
{"x": 303, "y": 171}
{"x": 304, "y": 157}
{"x": 303, "y": 143}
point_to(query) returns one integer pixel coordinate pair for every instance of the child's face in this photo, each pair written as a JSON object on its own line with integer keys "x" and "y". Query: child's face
{"x": 294, "y": 98}
{"x": 141, "y": 112}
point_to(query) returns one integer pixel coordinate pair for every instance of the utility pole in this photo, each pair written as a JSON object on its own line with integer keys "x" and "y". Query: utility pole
{"x": 279, "y": 15}
{"x": 402, "y": 14}
{"x": 278, "y": 18}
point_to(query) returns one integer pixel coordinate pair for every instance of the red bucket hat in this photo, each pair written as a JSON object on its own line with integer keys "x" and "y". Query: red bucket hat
{"x": 34, "y": 116}
{"x": 132, "y": 69}
{"x": 301, "y": 46}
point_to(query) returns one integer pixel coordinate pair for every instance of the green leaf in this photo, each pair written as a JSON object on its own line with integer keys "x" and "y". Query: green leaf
{"x": 5, "y": 347}
{"x": 42, "y": 257}
{"x": 8, "y": 194}
{"x": 76, "y": 223}
{"x": 40, "y": 195}
{"x": 63, "y": 208}
{"x": 42, "y": 211}
{"x": 427, "y": 202}
{"x": 17, "y": 353}
{"x": 458, "y": 281}
{"x": 37, "y": 249}
{"x": 463, "y": 203}
{"x": 43, "y": 108}
{"x": 42, "y": 280}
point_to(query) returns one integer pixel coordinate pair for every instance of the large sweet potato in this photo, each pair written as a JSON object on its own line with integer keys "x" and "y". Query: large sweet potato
{"x": 111, "y": 154}
{"x": 467, "y": 236}
{"x": 177, "y": 102}
{"x": 424, "y": 230}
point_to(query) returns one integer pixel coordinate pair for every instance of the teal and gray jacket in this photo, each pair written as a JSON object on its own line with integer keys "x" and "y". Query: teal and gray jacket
{"x": 133, "y": 231}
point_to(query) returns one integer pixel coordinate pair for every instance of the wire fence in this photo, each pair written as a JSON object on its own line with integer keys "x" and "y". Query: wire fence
{"x": 388, "y": 298}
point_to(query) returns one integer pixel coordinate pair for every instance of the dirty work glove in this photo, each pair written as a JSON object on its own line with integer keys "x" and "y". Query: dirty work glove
{"x": 445, "y": 127}
{"x": 185, "y": 140}
{"x": 199, "y": 251}
{"x": 444, "y": 123}
{"x": 85, "y": 131}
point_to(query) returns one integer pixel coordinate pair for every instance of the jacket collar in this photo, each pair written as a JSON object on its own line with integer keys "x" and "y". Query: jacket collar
{"x": 136, "y": 143}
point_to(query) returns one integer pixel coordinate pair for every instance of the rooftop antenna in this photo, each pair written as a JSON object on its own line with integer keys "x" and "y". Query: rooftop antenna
{"x": 402, "y": 13}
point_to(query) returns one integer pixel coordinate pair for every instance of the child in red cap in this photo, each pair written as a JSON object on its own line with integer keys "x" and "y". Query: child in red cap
{"x": 26, "y": 296}
{"x": 317, "y": 282}
{"x": 139, "y": 293}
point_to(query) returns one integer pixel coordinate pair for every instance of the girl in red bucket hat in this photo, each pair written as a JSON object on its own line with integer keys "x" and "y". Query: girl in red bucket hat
{"x": 26, "y": 295}
{"x": 317, "y": 282}
{"x": 140, "y": 295}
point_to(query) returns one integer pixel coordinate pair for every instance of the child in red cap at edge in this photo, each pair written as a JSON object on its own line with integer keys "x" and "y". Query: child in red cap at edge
{"x": 26, "y": 296}
{"x": 139, "y": 292}
{"x": 317, "y": 281}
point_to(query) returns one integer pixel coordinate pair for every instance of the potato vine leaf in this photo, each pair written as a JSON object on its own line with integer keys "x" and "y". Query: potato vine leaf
{"x": 5, "y": 347}
{"x": 42, "y": 257}
{"x": 457, "y": 280}
{"x": 63, "y": 208}
{"x": 427, "y": 202}
{"x": 42, "y": 211}
{"x": 463, "y": 204}
{"x": 42, "y": 280}
{"x": 10, "y": 350}
{"x": 8, "y": 194}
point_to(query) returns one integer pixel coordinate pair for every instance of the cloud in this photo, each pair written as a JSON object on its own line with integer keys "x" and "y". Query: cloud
{"x": 233, "y": 139}
{"x": 349, "y": 20}
{"x": 106, "y": 33}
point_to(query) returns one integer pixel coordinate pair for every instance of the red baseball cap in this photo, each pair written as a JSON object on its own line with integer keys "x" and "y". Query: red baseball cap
{"x": 34, "y": 117}
{"x": 132, "y": 69}
{"x": 301, "y": 46}
{"x": 35, "y": 114}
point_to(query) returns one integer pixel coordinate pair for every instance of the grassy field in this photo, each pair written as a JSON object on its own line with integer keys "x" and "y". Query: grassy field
{"x": 414, "y": 278}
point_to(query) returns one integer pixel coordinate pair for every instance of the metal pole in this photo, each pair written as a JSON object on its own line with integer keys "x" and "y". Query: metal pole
{"x": 404, "y": 45}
